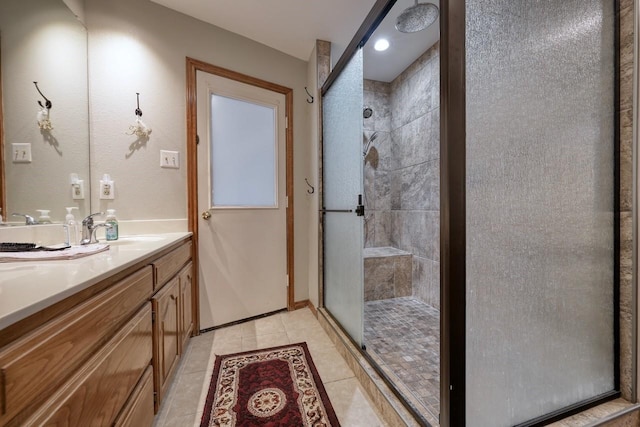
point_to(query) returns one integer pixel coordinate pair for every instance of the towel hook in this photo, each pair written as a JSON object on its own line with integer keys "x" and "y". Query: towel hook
{"x": 138, "y": 110}
{"x": 310, "y": 96}
{"x": 48, "y": 104}
{"x": 313, "y": 190}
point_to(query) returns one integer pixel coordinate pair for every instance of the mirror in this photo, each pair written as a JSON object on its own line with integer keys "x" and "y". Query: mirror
{"x": 43, "y": 41}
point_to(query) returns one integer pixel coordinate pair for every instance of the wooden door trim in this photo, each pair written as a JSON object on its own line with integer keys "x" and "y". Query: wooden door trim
{"x": 194, "y": 65}
{"x": 3, "y": 190}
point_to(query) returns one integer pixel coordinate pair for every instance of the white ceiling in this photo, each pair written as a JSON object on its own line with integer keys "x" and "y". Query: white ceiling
{"x": 292, "y": 26}
{"x": 403, "y": 48}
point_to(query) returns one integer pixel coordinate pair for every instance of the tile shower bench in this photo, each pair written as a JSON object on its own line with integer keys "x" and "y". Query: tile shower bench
{"x": 387, "y": 273}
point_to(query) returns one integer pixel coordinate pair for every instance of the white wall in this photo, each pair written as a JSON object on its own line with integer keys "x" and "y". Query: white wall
{"x": 77, "y": 7}
{"x": 139, "y": 46}
{"x": 43, "y": 41}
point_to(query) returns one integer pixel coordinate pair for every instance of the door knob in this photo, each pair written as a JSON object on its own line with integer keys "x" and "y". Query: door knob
{"x": 206, "y": 215}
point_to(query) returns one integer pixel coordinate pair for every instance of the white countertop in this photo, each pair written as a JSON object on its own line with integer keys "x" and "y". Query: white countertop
{"x": 28, "y": 287}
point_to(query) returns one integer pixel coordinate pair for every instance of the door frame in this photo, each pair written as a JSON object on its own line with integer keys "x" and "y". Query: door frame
{"x": 194, "y": 65}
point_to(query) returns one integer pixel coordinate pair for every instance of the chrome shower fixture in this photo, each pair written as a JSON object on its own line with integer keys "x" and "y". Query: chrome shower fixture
{"x": 367, "y": 112}
{"x": 417, "y": 17}
{"x": 368, "y": 142}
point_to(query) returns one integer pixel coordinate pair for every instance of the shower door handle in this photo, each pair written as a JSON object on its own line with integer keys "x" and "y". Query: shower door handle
{"x": 359, "y": 210}
{"x": 335, "y": 210}
{"x": 360, "y": 207}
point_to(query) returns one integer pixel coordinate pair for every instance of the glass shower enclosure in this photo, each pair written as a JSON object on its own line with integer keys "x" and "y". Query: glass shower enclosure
{"x": 529, "y": 207}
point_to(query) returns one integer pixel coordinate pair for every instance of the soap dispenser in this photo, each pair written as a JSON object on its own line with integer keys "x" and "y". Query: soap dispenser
{"x": 72, "y": 226}
{"x": 44, "y": 216}
{"x": 112, "y": 232}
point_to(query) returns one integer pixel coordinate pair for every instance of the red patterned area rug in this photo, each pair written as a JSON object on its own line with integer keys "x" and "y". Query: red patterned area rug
{"x": 277, "y": 386}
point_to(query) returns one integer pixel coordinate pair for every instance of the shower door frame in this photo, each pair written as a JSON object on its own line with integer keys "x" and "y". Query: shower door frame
{"x": 453, "y": 210}
{"x": 375, "y": 16}
{"x": 453, "y": 223}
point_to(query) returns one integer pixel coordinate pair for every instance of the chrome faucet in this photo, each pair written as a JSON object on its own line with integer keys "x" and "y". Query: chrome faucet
{"x": 89, "y": 229}
{"x": 28, "y": 219}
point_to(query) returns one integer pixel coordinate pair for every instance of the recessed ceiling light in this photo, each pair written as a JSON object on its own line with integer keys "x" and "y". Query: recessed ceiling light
{"x": 381, "y": 45}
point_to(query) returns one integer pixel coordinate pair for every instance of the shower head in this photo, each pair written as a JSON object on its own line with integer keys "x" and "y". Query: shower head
{"x": 367, "y": 112}
{"x": 417, "y": 17}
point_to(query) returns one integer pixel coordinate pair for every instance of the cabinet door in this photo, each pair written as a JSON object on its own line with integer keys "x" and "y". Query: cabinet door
{"x": 186, "y": 302}
{"x": 166, "y": 306}
{"x": 138, "y": 412}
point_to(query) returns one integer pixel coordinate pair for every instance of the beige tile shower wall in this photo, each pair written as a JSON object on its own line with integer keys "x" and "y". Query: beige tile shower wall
{"x": 377, "y": 165}
{"x": 401, "y": 169}
{"x": 627, "y": 315}
{"x": 139, "y": 46}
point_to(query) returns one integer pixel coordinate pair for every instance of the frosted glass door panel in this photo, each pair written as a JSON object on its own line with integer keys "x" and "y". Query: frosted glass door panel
{"x": 243, "y": 153}
{"x": 540, "y": 207}
{"x": 342, "y": 168}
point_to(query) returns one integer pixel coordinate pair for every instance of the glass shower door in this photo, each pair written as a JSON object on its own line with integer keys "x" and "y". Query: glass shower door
{"x": 540, "y": 216}
{"x": 342, "y": 186}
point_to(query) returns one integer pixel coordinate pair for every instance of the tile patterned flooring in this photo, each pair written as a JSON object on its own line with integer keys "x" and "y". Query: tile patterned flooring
{"x": 403, "y": 336}
{"x": 184, "y": 402}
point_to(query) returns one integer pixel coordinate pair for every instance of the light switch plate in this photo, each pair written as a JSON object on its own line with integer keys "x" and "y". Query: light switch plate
{"x": 21, "y": 152}
{"x": 170, "y": 159}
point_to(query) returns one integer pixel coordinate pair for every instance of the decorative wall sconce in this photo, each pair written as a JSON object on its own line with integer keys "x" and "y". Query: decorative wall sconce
{"x": 139, "y": 129}
{"x": 44, "y": 122}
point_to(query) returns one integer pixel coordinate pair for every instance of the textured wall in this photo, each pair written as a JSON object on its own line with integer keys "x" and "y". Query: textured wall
{"x": 628, "y": 316}
{"x": 402, "y": 170}
{"x": 377, "y": 165}
{"x": 139, "y": 46}
{"x": 43, "y": 41}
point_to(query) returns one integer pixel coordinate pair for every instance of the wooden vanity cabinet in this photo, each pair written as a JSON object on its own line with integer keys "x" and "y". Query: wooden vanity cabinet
{"x": 39, "y": 362}
{"x": 97, "y": 392}
{"x": 173, "y": 314}
{"x": 105, "y": 356}
{"x": 139, "y": 410}
{"x": 166, "y": 306}
{"x": 186, "y": 300}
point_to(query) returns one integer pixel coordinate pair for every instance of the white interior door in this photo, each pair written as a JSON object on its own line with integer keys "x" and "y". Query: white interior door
{"x": 242, "y": 242}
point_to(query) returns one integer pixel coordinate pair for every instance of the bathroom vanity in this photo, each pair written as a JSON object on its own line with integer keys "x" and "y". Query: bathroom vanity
{"x": 95, "y": 340}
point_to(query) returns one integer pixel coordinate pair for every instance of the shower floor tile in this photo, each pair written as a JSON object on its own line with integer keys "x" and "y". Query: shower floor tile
{"x": 403, "y": 336}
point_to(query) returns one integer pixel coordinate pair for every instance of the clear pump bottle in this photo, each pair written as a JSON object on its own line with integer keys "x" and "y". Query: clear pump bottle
{"x": 112, "y": 232}
{"x": 71, "y": 226}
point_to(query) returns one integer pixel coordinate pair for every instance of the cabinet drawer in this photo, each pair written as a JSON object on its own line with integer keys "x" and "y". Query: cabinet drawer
{"x": 97, "y": 392}
{"x": 168, "y": 265}
{"x": 138, "y": 412}
{"x": 36, "y": 365}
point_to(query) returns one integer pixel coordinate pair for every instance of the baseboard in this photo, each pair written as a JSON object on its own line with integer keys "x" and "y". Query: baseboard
{"x": 304, "y": 304}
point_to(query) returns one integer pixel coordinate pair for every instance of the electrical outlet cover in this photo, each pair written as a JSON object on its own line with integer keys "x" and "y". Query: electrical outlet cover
{"x": 77, "y": 190}
{"x": 107, "y": 190}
